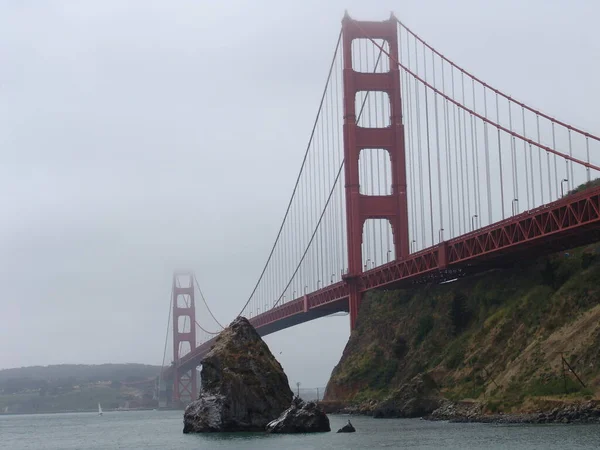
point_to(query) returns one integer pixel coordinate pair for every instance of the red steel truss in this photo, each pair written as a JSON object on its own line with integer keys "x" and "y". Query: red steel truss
{"x": 572, "y": 220}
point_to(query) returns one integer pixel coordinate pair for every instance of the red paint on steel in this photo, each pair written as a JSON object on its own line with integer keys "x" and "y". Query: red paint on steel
{"x": 569, "y": 221}
{"x": 570, "y": 218}
{"x": 361, "y": 207}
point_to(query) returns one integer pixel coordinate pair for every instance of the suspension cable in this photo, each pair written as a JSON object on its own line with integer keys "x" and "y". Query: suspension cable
{"x": 513, "y": 134}
{"x": 335, "y": 181}
{"x": 299, "y": 174}
{"x": 195, "y": 321}
{"x": 508, "y": 97}
{"x": 166, "y": 336}
{"x": 204, "y": 301}
{"x": 313, "y": 234}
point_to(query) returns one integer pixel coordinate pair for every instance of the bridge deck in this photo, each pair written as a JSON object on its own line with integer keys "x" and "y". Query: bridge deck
{"x": 571, "y": 221}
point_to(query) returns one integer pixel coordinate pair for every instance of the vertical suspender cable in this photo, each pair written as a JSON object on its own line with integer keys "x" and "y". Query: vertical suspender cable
{"x": 571, "y": 177}
{"x": 537, "y": 120}
{"x": 456, "y": 159}
{"x": 526, "y": 161}
{"x": 475, "y": 146}
{"x": 439, "y": 150}
{"x": 418, "y": 114}
{"x": 447, "y": 138}
{"x": 555, "y": 163}
{"x": 487, "y": 154}
{"x": 513, "y": 158}
{"x": 465, "y": 168}
{"x": 587, "y": 153}
{"x": 428, "y": 148}
{"x": 500, "y": 158}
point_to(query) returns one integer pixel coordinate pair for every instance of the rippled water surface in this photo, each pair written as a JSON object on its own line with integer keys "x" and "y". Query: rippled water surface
{"x": 162, "y": 430}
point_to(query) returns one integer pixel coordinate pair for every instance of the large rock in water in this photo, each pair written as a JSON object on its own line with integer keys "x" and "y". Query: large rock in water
{"x": 243, "y": 385}
{"x": 301, "y": 417}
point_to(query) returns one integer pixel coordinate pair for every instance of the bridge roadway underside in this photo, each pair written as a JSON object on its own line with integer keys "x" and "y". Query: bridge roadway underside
{"x": 340, "y": 305}
{"x": 566, "y": 223}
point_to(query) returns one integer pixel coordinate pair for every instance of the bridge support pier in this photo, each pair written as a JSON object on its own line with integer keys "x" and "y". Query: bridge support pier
{"x": 164, "y": 392}
{"x": 361, "y": 207}
{"x": 354, "y": 303}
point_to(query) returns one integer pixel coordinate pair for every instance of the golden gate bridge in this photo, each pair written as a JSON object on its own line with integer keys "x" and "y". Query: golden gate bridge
{"x": 415, "y": 171}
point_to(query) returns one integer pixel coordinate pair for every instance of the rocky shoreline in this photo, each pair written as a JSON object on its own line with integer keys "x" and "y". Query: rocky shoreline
{"x": 586, "y": 412}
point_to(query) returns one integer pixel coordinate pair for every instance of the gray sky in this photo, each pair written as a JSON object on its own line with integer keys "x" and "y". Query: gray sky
{"x": 138, "y": 137}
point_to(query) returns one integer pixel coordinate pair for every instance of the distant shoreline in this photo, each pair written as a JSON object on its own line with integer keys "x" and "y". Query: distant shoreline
{"x": 86, "y": 411}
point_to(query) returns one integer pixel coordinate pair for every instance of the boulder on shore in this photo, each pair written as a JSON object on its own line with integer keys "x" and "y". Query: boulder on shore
{"x": 301, "y": 417}
{"x": 243, "y": 385}
{"x": 348, "y": 428}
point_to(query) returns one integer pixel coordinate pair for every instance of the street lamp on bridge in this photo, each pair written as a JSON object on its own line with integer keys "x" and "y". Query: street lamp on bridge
{"x": 562, "y": 190}
{"x": 515, "y": 209}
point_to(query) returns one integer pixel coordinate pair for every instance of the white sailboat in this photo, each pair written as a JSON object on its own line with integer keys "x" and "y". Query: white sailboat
{"x": 99, "y": 409}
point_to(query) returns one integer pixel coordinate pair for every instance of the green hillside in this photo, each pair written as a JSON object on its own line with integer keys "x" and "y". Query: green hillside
{"x": 496, "y": 338}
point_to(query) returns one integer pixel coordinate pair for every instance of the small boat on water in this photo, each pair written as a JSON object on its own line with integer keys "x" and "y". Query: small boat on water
{"x": 99, "y": 409}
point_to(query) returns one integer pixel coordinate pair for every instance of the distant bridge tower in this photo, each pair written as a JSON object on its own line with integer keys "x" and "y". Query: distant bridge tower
{"x": 185, "y": 383}
{"x": 359, "y": 207}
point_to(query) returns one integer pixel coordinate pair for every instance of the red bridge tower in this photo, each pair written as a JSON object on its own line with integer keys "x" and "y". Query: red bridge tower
{"x": 185, "y": 387}
{"x": 360, "y": 207}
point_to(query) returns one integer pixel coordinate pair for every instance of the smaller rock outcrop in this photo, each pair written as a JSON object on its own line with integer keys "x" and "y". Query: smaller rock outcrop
{"x": 416, "y": 398}
{"x": 243, "y": 386}
{"x": 301, "y": 417}
{"x": 348, "y": 428}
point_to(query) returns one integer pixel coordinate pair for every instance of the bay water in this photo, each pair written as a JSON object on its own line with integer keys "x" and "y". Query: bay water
{"x": 134, "y": 430}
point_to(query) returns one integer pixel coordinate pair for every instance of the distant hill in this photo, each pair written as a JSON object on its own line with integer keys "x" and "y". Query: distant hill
{"x": 75, "y": 387}
{"x": 82, "y": 372}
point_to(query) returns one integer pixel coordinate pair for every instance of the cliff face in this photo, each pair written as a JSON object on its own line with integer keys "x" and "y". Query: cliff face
{"x": 497, "y": 337}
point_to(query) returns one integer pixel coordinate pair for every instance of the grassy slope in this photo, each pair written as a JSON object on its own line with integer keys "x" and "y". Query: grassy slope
{"x": 496, "y": 337}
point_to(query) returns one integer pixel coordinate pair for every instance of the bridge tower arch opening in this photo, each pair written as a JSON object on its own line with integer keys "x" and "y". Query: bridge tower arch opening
{"x": 389, "y": 137}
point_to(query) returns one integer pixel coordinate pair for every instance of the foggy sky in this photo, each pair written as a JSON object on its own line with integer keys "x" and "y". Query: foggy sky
{"x": 141, "y": 137}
